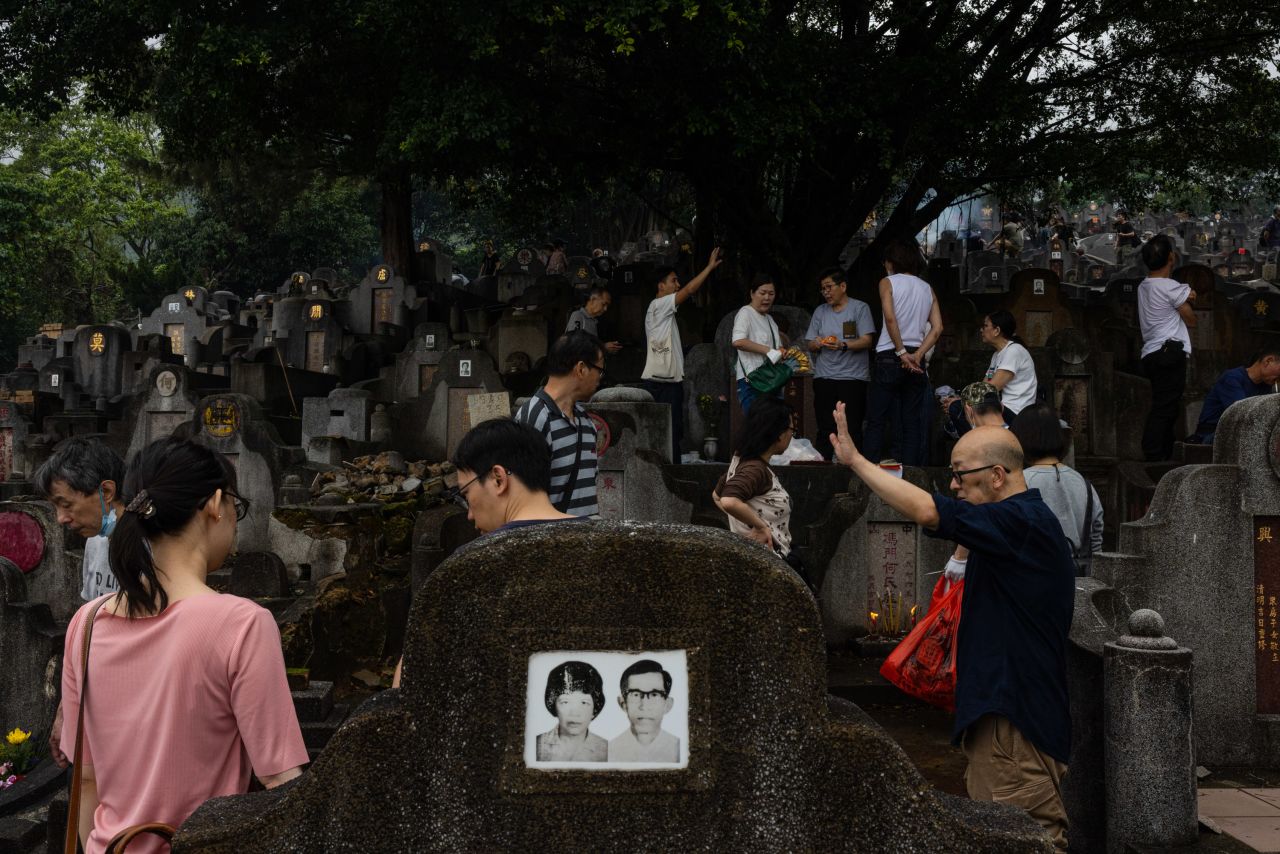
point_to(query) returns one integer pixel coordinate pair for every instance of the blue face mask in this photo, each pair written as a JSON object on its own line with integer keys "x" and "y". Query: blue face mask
{"x": 108, "y": 516}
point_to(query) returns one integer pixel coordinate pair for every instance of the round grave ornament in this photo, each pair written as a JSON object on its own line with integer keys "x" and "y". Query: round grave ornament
{"x": 167, "y": 383}
{"x": 221, "y": 418}
{"x": 21, "y": 539}
{"x": 382, "y": 274}
{"x": 300, "y": 279}
{"x": 604, "y": 436}
{"x": 524, "y": 257}
{"x": 1070, "y": 345}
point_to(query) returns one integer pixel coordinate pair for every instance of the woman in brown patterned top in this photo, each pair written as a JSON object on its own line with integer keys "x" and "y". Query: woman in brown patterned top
{"x": 749, "y": 492}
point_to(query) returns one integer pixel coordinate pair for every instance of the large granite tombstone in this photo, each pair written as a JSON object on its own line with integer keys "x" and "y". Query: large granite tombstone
{"x": 519, "y": 274}
{"x": 234, "y": 425}
{"x": 417, "y": 366}
{"x": 447, "y": 762}
{"x": 382, "y": 297}
{"x": 518, "y": 340}
{"x": 308, "y": 330}
{"x": 99, "y": 360}
{"x": 32, "y": 539}
{"x": 1207, "y": 557}
{"x": 1039, "y": 307}
{"x": 430, "y": 426}
{"x": 180, "y": 317}
{"x": 629, "y": 424}
{"x": 168, "y": 403}
{"x": 431, "y": 263}
{"x": 31, "y": 648}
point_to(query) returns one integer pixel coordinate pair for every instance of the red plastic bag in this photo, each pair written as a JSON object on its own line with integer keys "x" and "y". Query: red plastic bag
{"x": 924, "y": 664}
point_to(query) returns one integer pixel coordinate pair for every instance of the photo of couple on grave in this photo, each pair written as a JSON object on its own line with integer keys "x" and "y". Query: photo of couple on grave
{"x": 575, "y": 697}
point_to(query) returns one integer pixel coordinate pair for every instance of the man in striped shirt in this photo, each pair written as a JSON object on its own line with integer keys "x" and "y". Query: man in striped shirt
{"x": 574, "y": 367}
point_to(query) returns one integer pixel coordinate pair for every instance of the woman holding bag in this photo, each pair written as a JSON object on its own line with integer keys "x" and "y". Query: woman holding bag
{"x": 184, "y": 690}
{"x": 749, "y": 493}
{"x": 756, "y": 338}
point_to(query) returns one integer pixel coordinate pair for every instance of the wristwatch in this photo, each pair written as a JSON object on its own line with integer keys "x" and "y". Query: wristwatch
{"x": 844, "y": 345}
{"x": 901, "y": 353}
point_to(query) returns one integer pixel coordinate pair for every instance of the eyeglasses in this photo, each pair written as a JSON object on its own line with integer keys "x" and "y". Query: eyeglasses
{"x": 242, "y": 507}
{"x": 599, "y": 368}
{"x": 638, "y": 695}
{"x": 957, "y": 475}
{"x": 458, "y": 495}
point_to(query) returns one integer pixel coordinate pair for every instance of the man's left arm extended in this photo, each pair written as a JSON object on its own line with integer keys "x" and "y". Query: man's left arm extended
{"x": 907, "y": 498}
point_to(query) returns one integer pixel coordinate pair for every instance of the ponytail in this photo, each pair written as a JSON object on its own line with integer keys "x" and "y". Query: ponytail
{"x": 167, "y": 483}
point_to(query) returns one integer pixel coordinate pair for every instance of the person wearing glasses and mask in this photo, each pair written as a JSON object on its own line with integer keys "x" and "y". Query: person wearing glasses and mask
{"x": 1012, "y": 716}
{"x": 646, "y": 698}
{"x": 574, "y": 367}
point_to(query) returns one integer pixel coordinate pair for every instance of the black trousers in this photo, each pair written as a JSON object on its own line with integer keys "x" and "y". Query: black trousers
{"x": 1166, "y": 368}
{"x": 826, "y": 393}
{"x": 673, "y": 395}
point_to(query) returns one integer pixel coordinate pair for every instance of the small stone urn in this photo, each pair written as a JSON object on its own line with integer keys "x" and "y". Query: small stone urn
{"x": 709, "y": 447}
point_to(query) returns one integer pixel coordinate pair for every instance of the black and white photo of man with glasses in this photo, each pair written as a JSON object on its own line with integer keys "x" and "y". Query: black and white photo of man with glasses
{"x": 646, "y": 698}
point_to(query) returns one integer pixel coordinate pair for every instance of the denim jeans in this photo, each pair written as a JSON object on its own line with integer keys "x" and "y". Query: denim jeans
{"x": 746, "y": 394}
{"x": 897, "y": 394}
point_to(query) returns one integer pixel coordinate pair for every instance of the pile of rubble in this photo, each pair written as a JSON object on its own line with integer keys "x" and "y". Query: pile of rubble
{"x": 382, "y": 477}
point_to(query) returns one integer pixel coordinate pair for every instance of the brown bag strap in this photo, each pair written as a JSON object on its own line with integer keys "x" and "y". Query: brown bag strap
{"x": 72, "y": 838}
{"x": 121, "y": 840}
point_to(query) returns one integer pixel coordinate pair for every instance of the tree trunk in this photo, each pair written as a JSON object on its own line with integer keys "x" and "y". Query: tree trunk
{"x": 397, "y": 220}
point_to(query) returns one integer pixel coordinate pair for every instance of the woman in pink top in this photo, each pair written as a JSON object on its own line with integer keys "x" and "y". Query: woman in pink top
{"x": 187, "y": 690}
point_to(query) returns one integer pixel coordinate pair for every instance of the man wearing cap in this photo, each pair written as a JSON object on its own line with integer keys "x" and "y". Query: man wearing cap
{"x": 978, "y": 405}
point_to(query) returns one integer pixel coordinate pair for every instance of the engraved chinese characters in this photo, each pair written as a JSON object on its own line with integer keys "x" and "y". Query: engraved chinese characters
{"x": 1266, "y": 568}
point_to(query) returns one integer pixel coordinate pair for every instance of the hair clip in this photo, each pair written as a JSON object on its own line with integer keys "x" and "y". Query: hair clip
{"x": 142, "y": 505}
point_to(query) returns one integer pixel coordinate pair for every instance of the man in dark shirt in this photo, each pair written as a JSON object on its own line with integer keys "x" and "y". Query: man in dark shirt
{"x": 1260, "y": 377}
{"x": 1271, "y": 230}
{"x": 1012, "y": 717}
{"x": 1128, "y": 234}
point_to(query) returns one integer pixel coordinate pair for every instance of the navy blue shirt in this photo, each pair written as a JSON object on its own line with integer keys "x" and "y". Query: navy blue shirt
{"x": 1232, "y": 387}
{"x": 1019, "y": 594}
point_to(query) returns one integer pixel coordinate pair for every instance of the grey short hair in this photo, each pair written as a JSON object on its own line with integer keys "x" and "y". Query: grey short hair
{"x": 83, "y": 464}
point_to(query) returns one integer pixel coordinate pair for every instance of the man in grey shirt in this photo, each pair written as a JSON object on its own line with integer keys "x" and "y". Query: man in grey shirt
{"x": 588, "y": 317}
{"x": 840, "y": 334}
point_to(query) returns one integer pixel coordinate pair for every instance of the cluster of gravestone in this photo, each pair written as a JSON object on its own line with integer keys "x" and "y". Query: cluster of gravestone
{"x": 330, "y": 399}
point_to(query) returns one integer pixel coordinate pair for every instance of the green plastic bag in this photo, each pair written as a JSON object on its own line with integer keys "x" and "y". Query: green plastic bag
{"x": 768, "y": 378}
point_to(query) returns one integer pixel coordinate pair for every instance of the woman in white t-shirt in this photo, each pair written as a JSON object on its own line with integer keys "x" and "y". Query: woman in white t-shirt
{"x": 1011, "y": 369}
{"x": 756, "y": 337}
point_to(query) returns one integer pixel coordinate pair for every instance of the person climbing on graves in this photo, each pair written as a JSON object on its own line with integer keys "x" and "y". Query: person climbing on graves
{"x": 574, "y": 697}
{"x": 756, "y": 337}
{"x": 1045, "y": 441}
{"x": 186, "y": 694}
{"x": 912, "y": 325}
{"x": 1128, "y": 235}
{"x": 588, "y": 317}
{"x": 1270, "y": 237}
{"x": 489, "y": 263}
{"x": 841, "y": 333}
{"x": 663, "y": 374}
{"x": 1011, "y": 371}
{"x": 1165, "y": 310}
{"x": 749, "y": 492}
{"x": 556, "y": 411}
{"x": 557, "y": 260}
{"x": 82, "y": 481}
{"x": 1059, "y": 229}
{"x": 1258, "y": 377}
{"x": 1012, "y": 716}
{"x": 504, "y": 475}
{"x": 646, "y": 698}
{"x": 1011, "y": 237}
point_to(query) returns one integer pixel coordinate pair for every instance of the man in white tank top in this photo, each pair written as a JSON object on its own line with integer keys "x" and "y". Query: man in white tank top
{"x": 911, "y": 326}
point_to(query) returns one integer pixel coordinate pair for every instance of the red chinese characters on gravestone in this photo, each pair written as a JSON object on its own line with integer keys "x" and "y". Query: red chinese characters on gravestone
{"x": 1266, "y": 625}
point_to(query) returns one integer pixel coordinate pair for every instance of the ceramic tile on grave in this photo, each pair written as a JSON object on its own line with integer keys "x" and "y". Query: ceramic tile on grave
{"x": 1266, "y": 568}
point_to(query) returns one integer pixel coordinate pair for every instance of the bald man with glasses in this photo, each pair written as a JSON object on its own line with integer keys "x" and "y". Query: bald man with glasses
{"x": 1012, "y": 715}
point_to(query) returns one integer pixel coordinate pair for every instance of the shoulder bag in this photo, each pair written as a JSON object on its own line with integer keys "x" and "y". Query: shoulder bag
{"x": 769, "y": 377}
{"x": 121, "y": 840}
{"x": 1084, "y": 555}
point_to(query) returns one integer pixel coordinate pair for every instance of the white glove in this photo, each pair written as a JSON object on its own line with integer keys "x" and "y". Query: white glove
{"x": 773, "y": 356}
{"x": 955, "y": 570}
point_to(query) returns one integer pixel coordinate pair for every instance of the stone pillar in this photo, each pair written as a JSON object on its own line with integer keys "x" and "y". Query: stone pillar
{"x": 1150, "y": 758}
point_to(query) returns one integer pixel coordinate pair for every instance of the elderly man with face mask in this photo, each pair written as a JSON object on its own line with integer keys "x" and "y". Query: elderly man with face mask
{"x": 1012, "y": 716}
{"x": 82, "y": 480}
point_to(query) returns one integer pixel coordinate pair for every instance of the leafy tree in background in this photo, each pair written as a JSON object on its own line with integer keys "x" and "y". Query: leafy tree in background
{"x": 791, "y": 119}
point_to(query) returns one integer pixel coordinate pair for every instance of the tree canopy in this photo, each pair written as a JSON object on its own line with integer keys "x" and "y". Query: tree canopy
{"x": 793, "y": 120}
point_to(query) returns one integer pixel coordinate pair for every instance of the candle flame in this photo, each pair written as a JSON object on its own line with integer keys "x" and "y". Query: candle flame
{"x": 913, "y": 609}
{"x": 874, "y": 615}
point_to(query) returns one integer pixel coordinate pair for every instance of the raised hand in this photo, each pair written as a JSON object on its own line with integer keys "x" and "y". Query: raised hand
{"x": 841, "y": 442}
{"x": 716, "y": 259}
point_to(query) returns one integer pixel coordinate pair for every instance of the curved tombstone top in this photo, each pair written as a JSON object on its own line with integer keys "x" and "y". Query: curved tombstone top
{"x": 621, "y": 394}
{"x": 439, "y": 765}
{"x": 1248, "y": 436}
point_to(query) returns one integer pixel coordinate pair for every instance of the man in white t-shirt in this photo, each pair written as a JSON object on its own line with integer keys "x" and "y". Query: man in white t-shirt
{"x": 664, "y": 359}
{"x": 1164, "y": 313}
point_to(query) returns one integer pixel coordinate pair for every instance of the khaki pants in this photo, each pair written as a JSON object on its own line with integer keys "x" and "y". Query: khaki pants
{"x": 1007, "y": 768}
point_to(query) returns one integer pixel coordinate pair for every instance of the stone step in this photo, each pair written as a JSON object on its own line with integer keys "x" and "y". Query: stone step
{"x": 316, "y": 734}
{"x": 857, "y": 678}
{"x": 20, "y": 835}
{"x": 315, "y": 703}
